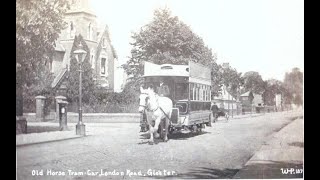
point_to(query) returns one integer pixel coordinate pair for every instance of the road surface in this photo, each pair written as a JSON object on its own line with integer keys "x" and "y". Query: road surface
{"x": 119, "y": 151}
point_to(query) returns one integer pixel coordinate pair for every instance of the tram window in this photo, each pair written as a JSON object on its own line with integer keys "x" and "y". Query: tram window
{"x": 197, "y": 92}
{"x": 209, "y": 93}
{"x": 194, "y": 92}
{"x": 203, "y": 93}
{"x": 191, "y": 92}
{"x": 200, "y": 92}
{"x": 181, "y": 91}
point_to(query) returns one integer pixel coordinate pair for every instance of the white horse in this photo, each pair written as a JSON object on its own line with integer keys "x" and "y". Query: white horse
{"x": 160, "y": 107}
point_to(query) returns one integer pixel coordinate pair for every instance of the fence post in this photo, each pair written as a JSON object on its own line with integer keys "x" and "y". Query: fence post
{"x": 40, "y": 100}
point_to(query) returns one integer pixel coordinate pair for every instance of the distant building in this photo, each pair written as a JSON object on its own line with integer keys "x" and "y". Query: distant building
{"x": 251, "y": 102}
{"x": 257, "y": 100}
{"x": 82, "y": 20}
{"x": 120, "y": 78}
{"x": 226, "y": 101}
{"x": 246, "y": 98}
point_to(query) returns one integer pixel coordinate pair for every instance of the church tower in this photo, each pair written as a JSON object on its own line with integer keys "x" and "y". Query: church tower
{"x": 82, "y": 20}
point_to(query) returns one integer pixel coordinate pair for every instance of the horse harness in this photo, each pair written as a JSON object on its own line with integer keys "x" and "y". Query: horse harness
{"x": 153, "y": 110}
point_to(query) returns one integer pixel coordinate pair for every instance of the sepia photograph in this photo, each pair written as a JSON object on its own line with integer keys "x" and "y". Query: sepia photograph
{"x": 159, "y": 89}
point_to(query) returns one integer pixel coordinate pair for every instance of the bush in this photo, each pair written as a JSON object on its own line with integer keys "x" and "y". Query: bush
{"x": 40, "y": 88}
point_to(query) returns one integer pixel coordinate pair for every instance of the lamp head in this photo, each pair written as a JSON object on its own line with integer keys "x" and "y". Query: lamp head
{"x": 80, "y": 54}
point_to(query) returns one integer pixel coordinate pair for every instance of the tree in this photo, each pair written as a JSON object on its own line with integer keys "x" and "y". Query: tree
{"x": 232, "y": 80}
{"x": 167, "y": 40}
{"x": 88, "y": 86}
{"x": 293, "y": 83}
{"x": 42, "y": 86}
{"x": 38, "y": 25}
{"x": 253, "y": 82}
{"x": 272, "y": 87}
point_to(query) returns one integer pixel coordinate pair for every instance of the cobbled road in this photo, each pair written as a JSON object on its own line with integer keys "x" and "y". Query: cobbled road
{"x": 119, "y": 151}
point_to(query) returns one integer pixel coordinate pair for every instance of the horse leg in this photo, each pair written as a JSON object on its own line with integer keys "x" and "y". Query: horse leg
{"x": 166, "y": 126}
{"x": 156, "y": 125}
{"x": 151, "y": 134}
{"x": 163, "y": 129}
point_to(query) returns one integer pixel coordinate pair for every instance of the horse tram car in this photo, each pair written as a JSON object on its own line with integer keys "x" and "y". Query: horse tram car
{"x": 189, "y": 88}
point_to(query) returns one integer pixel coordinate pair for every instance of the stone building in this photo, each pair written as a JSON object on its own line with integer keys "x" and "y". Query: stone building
{"x": 82, "y": 20}
{"x": 252, "y": 102}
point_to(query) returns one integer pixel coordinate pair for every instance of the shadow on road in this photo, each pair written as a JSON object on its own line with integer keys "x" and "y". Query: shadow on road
{"x": 271, "y": 170}
{"x": 297, "y": 144}
{"x": 205, "y": 173}
{"x": 175, "y": 136}
{"x": 185, "y": 136}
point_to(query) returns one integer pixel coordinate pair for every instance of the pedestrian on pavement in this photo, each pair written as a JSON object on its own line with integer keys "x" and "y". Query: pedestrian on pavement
{"x": 214, "y": 108}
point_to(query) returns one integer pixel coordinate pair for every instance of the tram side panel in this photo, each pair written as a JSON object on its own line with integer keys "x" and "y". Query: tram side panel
{"x": 199, "y": 112}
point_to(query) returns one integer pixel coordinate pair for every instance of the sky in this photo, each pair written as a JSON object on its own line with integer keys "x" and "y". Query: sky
{"x": 266, "y": 36}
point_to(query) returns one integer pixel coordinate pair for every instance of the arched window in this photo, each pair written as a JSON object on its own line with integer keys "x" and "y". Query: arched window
{"x": 72, "y": 30}
{"x": 104, "y": 66}
{"x": 92, "y": 60}
{"x": 90, "y": 31}
{"x": 104, "y": 43}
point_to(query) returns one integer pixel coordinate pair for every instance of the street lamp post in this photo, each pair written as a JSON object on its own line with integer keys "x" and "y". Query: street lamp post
{"x": 80, "y": 55}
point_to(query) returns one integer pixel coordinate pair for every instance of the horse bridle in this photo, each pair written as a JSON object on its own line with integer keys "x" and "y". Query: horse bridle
{"x": 146, "y": 107}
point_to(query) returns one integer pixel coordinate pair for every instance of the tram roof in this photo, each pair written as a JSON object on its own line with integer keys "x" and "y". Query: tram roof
{"x": 151, "y": 69}
{"x": 196, "y": 72}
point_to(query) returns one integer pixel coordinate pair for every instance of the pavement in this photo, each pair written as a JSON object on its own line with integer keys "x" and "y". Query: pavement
{"x": 280, "y": 157}
{"x": 42, "y": 137}
{"x": 42, "y": 132}
{"x": 246, "y": 115}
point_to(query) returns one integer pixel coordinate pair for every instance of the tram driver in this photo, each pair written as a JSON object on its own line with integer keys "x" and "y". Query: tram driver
{"x": 163, "y": 89}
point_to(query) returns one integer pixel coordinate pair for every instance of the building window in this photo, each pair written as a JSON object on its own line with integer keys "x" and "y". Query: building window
{"x": 92, "y": 58}
{"x": 90, "y": 32}
{"x": 72, "y": 30}
{"x": 104, "y": 42}
{"x": 103, "y": 65}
